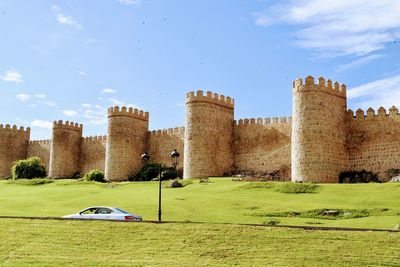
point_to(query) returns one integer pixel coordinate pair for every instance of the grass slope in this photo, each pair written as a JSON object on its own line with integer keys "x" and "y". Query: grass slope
{"x": 219, "y": 201}
{"x": 72, "y": 243}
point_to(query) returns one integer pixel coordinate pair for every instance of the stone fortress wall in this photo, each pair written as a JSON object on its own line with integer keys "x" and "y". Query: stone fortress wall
{"x": 208, "y": 154}
{"x": 93, "y": 153}
{"x": 65, "y": 149}
{"x": 374, "y": 140}
{"x": 126, "y": 141}
{"x": 14, "y": 144}
{"x": 162, "y": 142}
{"x": 320, "y": 141}
{"x": 41, "y": 149}
{"x": 319, "y": 151}
{"x": 263, "y": 145}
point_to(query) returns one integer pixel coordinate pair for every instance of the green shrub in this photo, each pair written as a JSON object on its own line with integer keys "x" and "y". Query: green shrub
{"x": 28, "y": 169}
{"x": 169, "y": 173}
{"x": 296, "y": 188}
{"x": 151, "y": 171}
{"x": 94, "y": 175}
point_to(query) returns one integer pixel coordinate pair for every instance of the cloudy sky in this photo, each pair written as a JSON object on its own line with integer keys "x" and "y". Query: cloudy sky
{"x": 71, "y": 60}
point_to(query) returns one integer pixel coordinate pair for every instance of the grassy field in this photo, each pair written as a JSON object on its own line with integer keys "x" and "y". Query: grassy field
{"x": 221, "y": 200}
{"x": 76, "y": 243}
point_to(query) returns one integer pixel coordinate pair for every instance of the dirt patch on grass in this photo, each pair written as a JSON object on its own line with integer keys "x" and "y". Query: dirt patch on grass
{"x": 325, "y": 214}
{"x": 286, "y": 188}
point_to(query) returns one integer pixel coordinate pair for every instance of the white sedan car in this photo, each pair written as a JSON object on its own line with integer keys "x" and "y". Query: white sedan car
{"x": 104, "y": 213}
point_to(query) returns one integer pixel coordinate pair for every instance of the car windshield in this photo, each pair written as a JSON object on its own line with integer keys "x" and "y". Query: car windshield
{"x": 122, "y": 211}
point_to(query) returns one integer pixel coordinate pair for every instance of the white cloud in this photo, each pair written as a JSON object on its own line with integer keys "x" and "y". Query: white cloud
{"x": 64, "y": 19}
{"x": 40, "y": 96}
{"x": 108, "y": 91}
{"x": 384, "y": 92}
{"x": 70, "y": 113}
{"x": 340, "y": 27}
{"x": 358, "y": 62}
{"x": 96, "y": 115}
{"x": 130, "y": 2}
{"x": 11, "y": 76}
{"x": 86, "y": 105}
{"x": 82, "y": 73}
{"x": 42, "y": 124}
{"x": 23, "y": 97}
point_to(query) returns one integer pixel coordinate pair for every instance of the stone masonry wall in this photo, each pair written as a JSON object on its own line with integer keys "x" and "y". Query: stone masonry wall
{"x": 13, "y": 146}
{"x": 319, "y": 147}
{"x": 93, "y": 154}
{"x": 262, "y": 146}
{"x": 208, "y": 135}
{"x": 41, "y": 149}
{"x": 163, "y": 142}
{"x": 374, "y": 141}
{"x": 127, "y": 140}
{"x": 65, "y": 150}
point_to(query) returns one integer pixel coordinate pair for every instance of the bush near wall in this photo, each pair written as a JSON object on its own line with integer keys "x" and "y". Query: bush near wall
{"x": 95, "y": 176}
{"x": 151, "y": 171}
{"x": 28, "y": 169}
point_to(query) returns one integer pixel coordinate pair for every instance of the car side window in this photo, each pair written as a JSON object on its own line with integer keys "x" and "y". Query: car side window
{"x": 89, "y": 211}
{"x": 103, "y": 211}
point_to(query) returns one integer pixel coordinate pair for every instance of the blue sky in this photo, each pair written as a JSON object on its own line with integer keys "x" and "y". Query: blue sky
{"x": 71, "y": 60}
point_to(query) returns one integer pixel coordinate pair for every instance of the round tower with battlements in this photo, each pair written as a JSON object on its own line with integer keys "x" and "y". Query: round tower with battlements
{"x": 319, "y": 152}
{"x": 208, "y": 142}
{"x": 65, "y": 149}
{"x": 127, "y": 139}
{"x": 13, "y": 146}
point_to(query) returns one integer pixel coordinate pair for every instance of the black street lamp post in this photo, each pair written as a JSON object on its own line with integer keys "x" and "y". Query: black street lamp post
{"x": 175, "y": 160}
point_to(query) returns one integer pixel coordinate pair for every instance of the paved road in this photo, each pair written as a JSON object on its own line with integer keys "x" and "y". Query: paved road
{"x": 310, "y": 228}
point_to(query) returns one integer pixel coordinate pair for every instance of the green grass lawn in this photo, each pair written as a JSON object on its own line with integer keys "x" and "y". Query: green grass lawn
{"x": 90, "y": 243}
{"x": 222, "y": 200}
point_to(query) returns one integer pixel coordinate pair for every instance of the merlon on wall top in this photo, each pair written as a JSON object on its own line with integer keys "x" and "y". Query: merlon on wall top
{"x": 210, "y": 97}
{"x": 130, "y": 112}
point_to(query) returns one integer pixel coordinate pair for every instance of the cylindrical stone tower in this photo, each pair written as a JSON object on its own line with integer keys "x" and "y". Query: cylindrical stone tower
{"x": 208, "y": 135}
{"x": 127, "y": 139}
{"x": 65, "y": 149}
{"x": 13, "y": 146}
{"x": 319, "y": 152}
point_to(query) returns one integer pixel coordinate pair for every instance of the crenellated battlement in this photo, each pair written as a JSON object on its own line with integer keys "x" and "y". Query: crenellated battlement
{"x": 128, "y": 112}
{"x": 94, "y": 139}
{"x": 170, "y": 131}
{"x": 210, "y": 97}
{"x": 40, "y": 142}
{"x": 266, "y": 121}
{"x": 67, "y": 125}
{"x": 14, "y": 128}
{"x": 329, "y": 87}
{"x": 370, "y": 114}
